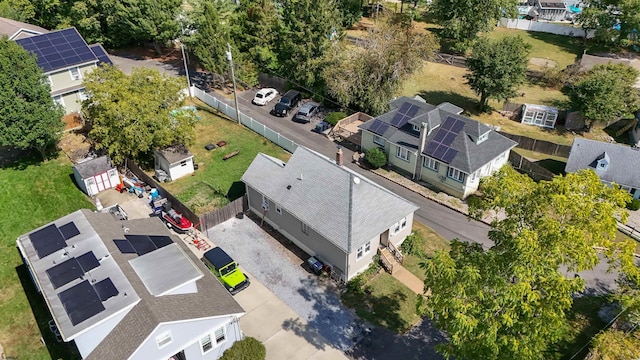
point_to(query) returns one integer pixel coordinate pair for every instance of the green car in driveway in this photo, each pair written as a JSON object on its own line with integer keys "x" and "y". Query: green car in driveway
{"x": 226, "y": 270}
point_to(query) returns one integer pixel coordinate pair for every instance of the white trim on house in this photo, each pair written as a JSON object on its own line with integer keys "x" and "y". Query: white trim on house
{"x": 93, "y": 62}
{"x": 402, "y": 153}
{"x": 58, "y": 99}
{"x": 455, "y": 174}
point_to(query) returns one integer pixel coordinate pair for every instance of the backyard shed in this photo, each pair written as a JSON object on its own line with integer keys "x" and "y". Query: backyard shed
{"x": 95, "y": 175}
{"x": 539, "y": 115}
{"x": 176, "y": 161}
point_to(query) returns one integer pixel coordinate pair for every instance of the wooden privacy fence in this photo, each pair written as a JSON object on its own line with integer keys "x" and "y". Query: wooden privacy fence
{"x": 541, "y": 146}
{"x": 532, "y": 169}
{"x": 449, "y": 59}
{"x": 218, "y": 216}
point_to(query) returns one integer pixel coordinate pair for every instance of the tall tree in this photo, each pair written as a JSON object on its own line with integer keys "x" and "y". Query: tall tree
{"x": 132, "y": 115}
{"x": 257, "y": 31}
{"x": 462, "y": 20}
{"x": 497, "y": 68}
{"x": 615, "y": 22}
{"x": 368, "y": 76}
{"x": 509, "y": 302}
{"x": 20, "y": 10}
{"x": 605, "y": 93}
{"x": 29, "y": 118}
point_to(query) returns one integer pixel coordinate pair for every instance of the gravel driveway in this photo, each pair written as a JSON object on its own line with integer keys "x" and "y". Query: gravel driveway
{"x": 272, "y": 264}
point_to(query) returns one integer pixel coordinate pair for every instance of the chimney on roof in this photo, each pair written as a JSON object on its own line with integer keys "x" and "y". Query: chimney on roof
{"x": 339, "y": 156}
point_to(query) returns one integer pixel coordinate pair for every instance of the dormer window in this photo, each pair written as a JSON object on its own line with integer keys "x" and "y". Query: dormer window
{"x": 603, "y": 162}
{"x": 75, "y": 73}
{"x": 416, "y": 128}
{"x": 483, "y": 137}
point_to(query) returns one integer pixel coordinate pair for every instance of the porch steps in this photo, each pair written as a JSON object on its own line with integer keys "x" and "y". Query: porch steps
{"x": 388, "y": 261}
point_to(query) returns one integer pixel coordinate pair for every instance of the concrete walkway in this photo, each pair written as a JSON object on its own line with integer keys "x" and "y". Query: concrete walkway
{"x": 406, "y": 277}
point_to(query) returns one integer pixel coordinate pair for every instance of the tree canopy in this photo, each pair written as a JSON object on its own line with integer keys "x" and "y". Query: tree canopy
{"x": 605, "y": 93}
{"x": 29, "y": 118}
{"x": 509, "y": 302}
{"x": 497, "y": 68}
{"x": 462, "y": 20}
{"x": 130, "y": 116}
{"x": 615, "y": 22}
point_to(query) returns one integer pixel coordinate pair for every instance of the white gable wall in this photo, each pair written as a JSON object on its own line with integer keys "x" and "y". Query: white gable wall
{"x": 186, "y": 335}
{"x": 88, "y": 341}
{"x": 181, "y": 169}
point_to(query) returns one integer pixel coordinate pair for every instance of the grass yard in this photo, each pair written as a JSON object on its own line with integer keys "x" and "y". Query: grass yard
{"x": 383, "y": 301}
{"x": 31, "y": 195}
{"x": 217, "y": 179}
{"x": 583, "y": 323}
{"x": 430, "y": 242}
{"x": 555, "y": 164}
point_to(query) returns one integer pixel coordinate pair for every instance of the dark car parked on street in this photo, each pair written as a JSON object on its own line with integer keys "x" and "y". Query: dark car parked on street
{"x": 287, "y": 102}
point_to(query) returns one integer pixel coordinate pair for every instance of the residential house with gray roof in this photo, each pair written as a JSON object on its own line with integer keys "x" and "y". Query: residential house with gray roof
{"x": 326, "y": 209}
{"x": 436, "y": 144}
{"x": 614, "y": 163}
{"x": 16, "y": 30}
{"x": 128, "y": 290}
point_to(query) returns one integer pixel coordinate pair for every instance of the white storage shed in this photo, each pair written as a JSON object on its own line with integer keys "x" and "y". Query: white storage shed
{"x": 176, "y": 161}
{"x": 539, "y": 115}
{"x": 95, "y": 175}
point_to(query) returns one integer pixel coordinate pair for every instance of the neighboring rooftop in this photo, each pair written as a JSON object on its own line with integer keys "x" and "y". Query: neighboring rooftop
{"x": 336, "y": 202}
{"x": 175, "y": 154}
{"x": 16, "y": 30}
{"x": 91, "y": 167}
{"x": 59, "y": 49}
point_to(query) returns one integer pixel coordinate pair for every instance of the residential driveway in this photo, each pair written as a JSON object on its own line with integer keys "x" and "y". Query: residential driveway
{"x": 272, "y": 265}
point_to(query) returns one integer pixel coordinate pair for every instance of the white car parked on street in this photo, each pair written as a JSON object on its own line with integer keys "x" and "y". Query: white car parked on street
{"x": 263, "y": 96}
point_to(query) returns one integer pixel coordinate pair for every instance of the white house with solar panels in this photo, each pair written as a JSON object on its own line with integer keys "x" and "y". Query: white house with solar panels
{"x": 65, "y": 58}
{"x": 436, "y": 144}
{"x": 128, "y": 290}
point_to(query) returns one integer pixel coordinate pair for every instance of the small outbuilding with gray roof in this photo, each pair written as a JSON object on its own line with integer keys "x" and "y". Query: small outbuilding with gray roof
{"x": 95, "y": 175}
{"x": 613, "y": 163}
{"x": 326, "y": 209}
{"x": 436, "y": 144}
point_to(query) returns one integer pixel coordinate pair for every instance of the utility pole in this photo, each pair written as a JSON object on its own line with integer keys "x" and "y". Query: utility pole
{"x": 233, "y": 78}
{"x": 184, "y": 59}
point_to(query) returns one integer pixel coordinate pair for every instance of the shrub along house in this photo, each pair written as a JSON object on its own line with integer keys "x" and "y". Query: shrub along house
{"x": 326, "y": 209}
{"x": 437, "y": 145}
{"x": 128, "y": 290}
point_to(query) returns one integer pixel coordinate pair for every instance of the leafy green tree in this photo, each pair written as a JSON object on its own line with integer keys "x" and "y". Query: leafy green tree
{"x": 462, "y": 20}
{"x": 351, "y": 11}
{"x": 131, "y": 115}
{"x": 615, "y": 345}
{"x": 368, "y": 76}
{"x": 497, "y": 68}
{"x": 510, "y": 301}
{"x": 29, "y": 118}
{"x": 20, "y": 10}
{"x": 605, "y": 93}
{"x": 306, "y": 33}
{"x": 257, "y": 31}
{"x": 376, "y": 157}
{"x": 246, "y": 349}
{"x": 615, "y": 22}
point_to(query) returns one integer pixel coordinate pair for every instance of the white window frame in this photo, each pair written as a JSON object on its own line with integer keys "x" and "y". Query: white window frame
{"x": 431, "y": 163}
{"x": 164, "y": 339}
{"x": 403, "y": 223}
{"x": 304, "y": 228}
{"x": 402, "y": 153}
{"x": 75, "y": 75}
{"x": 378, "y": 140}
{"x": 396, "y": 228}
{"x": 455, "y": 174}
{"x": 223, "y": 338}
{"x": 363, "y": 250}
{"x": 550, "y": 121}
{"x": 415, "y": 127}
{"x": 206, "y": 341}
{"x": 59, "y": 100}
{"x": 528, "y": 117}
{"x": 278, "y": 209}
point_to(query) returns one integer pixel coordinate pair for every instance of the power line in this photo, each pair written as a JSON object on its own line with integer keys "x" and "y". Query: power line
{"x": 594, "y": 336}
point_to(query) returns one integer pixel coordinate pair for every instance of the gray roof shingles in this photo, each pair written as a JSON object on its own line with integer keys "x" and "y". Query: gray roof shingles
{"x": 623, "y": 165}
{"x": 325, "y": 196}
{"x": 94, "y": 167}
{"x": 175, "y": 154}
{"x": 470, "y": 157}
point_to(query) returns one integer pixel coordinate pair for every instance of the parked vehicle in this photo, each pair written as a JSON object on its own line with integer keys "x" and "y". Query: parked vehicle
{"x": 264, "y": 96}
{"x": 226, "y": 270}
{"x": 174, "y": 220}
{"x": 306, "y": 112}
{"x": 288, "y": 102}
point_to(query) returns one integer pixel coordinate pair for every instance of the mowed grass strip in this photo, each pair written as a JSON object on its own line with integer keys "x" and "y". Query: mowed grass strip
{"x": 31, "y": 195}
{"x": 430, "y": 242}
{"x": 216, "y": 178}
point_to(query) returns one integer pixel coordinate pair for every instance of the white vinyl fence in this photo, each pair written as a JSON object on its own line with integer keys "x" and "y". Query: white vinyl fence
{"x": 245, "y": 120}
{"x": 546, "y": 27}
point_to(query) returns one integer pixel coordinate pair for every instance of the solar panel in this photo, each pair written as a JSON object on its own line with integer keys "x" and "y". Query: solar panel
{"x": 58, "y": 49}
{"x": 105, "y": 289}
{"x": 69, "y": 230}
{"x": 449, "y": 155}
{"x": 47, "y": 240}
{"x": 457, "y": 126}
{"x": 65, "y": 273}
{"x": 440, "y": 136}
{"x": 448, "y": 122}
{"x": 448, "y": 139}
{"x": 101, "y": 54}
{"x": 81, "y": 302}
{"x": 440, "y": 151}
{"x": 160, "y": 241}
{"x": 397, "y": 119}
{"x": 141, "y": 243}
{"x": 88, "y": 261}
{"x": 404, "y": 108}
{"x": 431, "y": 148}
{"x": 379, "y": 127}
{"x": 413, "y": 110}
{"x": 124, "y": 246}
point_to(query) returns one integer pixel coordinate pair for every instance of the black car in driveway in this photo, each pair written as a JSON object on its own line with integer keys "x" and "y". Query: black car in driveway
{"x": 287, "y": 102}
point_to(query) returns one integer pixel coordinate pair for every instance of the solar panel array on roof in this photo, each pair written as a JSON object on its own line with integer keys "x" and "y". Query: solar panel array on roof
{"x": 124, "y": 246}
{"x": 406, "y": 112}
{"x": 105, "y": 289}
{"x": 439, "y": 146}
{"x": 58, "y": 49}
{"x": 142, "y": 244}
{"x": 65, "y": 273}
{"x": 47, "y": 240}
{"x": 88, "y": 261}
{"x": 102, "y": 55}
{"x": 81, "y": 302}
{"x": 69, "y": 230}
{"x": 378, "y": 127}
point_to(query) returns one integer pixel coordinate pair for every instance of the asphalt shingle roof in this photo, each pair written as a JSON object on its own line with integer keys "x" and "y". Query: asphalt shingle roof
{"x": 336, "y": 202}
{"x": 93, "y": 167}
{"x": 470, "y": 156}
{"x": 624, "y": 161}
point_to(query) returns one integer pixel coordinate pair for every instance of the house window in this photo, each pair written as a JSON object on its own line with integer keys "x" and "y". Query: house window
{"x": 431, "y": 163}
{"x": 402, "y": 153}
{"x": 551, "y": 120}
{"x": 379, "y": 140}
{"x": 75, "y": 73}
{"x": 305, "y": 228}
{"x": 415, "y": 127}
{"x": 164, "y": 339}
{"x": 363, "y": 250}
{"x": 206, "y": 344}
{"x": 183, "y": 163}
{"x": 403, "y": 223}
{"x": 455, "y": 174}
{"x": 58, "y": 100}
{"x": 528, "y": 117}
{"x": 278, "y": 209}
{"x": 220, "y": 336}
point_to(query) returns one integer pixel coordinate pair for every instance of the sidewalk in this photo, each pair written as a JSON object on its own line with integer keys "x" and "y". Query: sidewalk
{"x": 406, "y": 277}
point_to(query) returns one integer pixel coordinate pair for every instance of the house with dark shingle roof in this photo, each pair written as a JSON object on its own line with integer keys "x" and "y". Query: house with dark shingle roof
{"x": 128, "y": 290}
{"x": 437, "y": 145}
{"x": 326, "y": 209}
{"x": 65, "y": 58}
{"x": 613, "y": 163}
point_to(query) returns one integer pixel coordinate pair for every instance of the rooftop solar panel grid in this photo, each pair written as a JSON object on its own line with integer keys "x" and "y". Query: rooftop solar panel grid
{"x": 47, "y": 240}
{"x": 65, "y": 273}
{"x": 124, "y": 246}
{"x": 81, "y": 302}
{"x": 160, "y": 241}
{"x": 88, "y": 261}
{"x": 58, "y": 49}
{"x": 105, "y": 289}
{"x": 69, "y": 230}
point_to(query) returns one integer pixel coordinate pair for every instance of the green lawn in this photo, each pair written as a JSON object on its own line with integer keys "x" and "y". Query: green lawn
{"x": 583, "y": 323}
{"x": 217, "y": 179}
{"x": 31, "y": 195}
{"x": 430, "y": 242}
{"x": 555, "y": 164}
